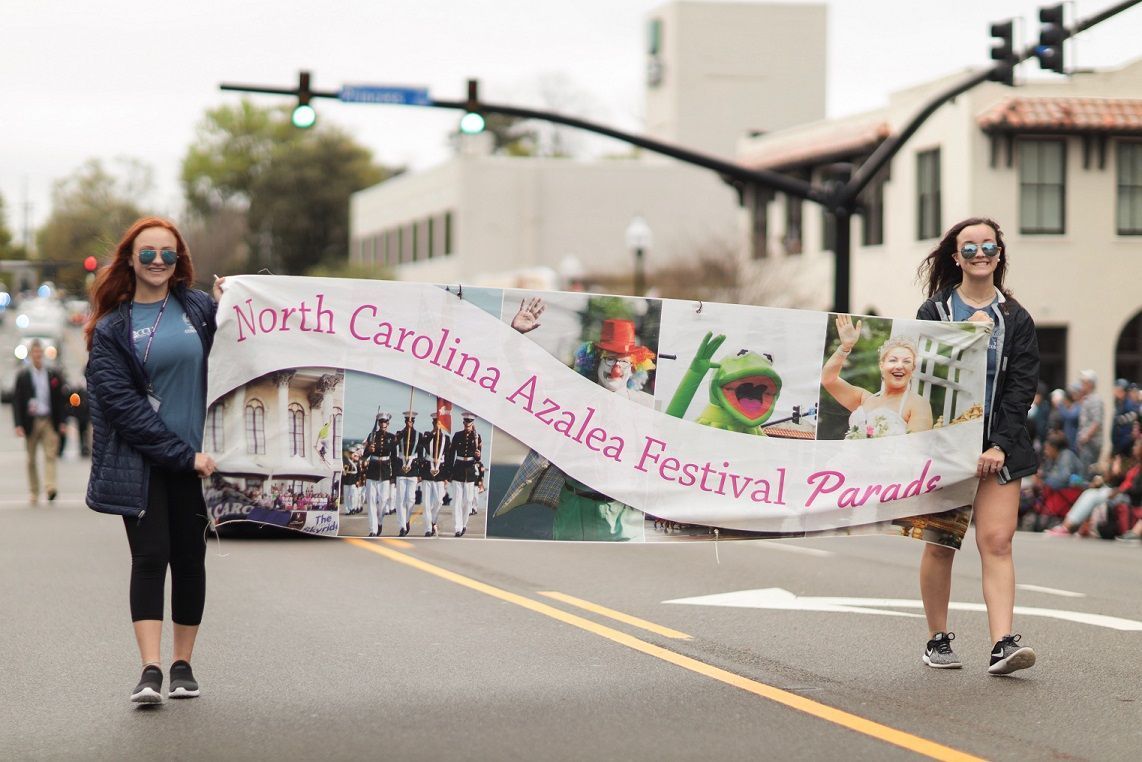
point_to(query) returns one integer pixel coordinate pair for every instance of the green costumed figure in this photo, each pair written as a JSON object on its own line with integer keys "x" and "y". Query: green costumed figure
{"x": 620, "y": 364}
{"x": 743, "y": 391}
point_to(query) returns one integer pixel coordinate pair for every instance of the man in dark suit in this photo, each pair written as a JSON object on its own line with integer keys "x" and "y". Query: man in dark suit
{"x": 38, "y": 407}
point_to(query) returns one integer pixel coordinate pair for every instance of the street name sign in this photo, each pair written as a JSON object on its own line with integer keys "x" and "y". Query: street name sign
{"x": 405, "y": 96}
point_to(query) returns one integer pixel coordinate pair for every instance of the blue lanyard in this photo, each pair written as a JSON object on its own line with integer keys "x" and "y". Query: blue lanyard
{"x": 154, "y": 328}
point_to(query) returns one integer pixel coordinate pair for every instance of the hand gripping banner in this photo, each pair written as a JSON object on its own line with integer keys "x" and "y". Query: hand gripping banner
{"x": 380, "y": 408}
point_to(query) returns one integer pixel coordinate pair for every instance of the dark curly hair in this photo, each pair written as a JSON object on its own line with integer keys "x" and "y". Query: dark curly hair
{"x": 938, "y": 271}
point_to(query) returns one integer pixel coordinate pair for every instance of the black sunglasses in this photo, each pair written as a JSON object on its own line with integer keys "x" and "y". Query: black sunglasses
{"x": 989, "y": 250}
{"x": 146, "y": 256}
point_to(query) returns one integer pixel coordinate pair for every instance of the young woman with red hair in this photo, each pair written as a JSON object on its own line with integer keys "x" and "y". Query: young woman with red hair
{"x": 149, "y": 337}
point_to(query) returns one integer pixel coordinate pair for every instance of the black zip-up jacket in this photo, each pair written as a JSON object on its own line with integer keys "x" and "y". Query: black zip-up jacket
{"x": 1016, "y": 379}
{"x": 128, "y": 437}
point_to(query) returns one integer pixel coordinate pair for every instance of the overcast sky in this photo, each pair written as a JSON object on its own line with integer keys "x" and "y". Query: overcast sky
{"x": 131, "y": 78}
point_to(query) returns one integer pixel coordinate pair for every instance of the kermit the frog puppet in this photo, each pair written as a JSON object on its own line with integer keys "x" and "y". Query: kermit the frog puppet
{"x": 743, "y": 390}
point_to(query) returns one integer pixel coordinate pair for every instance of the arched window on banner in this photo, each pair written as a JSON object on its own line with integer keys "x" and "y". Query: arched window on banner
{"x": 296, "y": 430}
{"x": 255, "y": 428}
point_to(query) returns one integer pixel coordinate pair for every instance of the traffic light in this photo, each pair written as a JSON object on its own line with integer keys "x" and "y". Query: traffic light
{"x": 1052, "y": 33}
{"x": 1003, "y": 53}
{"x": 91, "y": 264}
{"x": 472, "y": 123}
{"x": 303, "y": 116}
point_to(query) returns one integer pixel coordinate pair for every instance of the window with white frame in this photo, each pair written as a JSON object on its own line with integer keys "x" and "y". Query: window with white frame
{"x": 928, "y": 194}
{"x": 1042, "y": 186}
{"x": 1129, "y": 216}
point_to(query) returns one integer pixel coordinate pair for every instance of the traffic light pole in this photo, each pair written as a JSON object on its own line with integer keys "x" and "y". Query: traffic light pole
{"x": 839, "y": 200}
{"x": 844, "y": 203}
{"x": 775, "y": 180}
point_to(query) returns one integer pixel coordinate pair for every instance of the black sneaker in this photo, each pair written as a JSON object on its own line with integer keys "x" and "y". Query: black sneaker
{"x": 1008, "y": 656}
{"x": 183, "y": 684}
{"x": 149, "y": 689}
{"x": 938, "y": 654}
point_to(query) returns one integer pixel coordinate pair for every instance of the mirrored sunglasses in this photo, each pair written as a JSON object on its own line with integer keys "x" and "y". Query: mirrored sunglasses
{"x": 989, "y": 250}
{"x": 146, "y": 256}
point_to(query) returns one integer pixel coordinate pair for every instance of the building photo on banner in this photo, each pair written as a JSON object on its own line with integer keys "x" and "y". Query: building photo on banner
{"x": 350, "y": 452}
{"x": 276, "y": 441}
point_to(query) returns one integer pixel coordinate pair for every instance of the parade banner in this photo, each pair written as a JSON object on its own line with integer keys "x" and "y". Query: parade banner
{"x": 380, "y": 408}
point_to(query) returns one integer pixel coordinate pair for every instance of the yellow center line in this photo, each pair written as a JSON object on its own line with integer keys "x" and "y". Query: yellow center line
{"x": 792, "y": 700}
{"x": 617, "y": 615}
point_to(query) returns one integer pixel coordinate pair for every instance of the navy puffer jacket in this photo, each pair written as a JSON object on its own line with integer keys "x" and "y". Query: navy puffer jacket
{"x": 1015, "y": 381}
{"x": 128, "y": 437}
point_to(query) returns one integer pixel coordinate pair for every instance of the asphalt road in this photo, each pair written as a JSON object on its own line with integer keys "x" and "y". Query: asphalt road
{"x": 472, "y": 649}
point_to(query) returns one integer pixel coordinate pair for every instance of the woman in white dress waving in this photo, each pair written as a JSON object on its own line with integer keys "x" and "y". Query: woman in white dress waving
{"x": 895, "y": 408}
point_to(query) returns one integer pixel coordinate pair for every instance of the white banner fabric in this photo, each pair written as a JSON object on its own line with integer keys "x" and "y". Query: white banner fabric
{"x": 429, "y": 338}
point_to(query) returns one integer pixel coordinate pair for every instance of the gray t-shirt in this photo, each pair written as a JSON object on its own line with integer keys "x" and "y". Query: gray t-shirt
{"x": 174, "y": 365}
{"x": 1090, "y": 412}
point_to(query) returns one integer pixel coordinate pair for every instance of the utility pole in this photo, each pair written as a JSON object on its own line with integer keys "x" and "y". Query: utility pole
{"x": 27, "y": 209}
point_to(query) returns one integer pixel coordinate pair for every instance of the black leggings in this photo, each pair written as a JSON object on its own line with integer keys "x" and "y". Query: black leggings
{"x": 171, "y": 532}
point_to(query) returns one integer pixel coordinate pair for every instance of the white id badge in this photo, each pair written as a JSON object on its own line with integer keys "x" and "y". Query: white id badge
{"x": 155, "y": 402}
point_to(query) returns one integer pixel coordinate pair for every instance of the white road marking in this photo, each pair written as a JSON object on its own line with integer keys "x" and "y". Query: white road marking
{"x": 1051, "y": 591}
{"x": 788, "y": 548}
{"x": 777, "y": 598}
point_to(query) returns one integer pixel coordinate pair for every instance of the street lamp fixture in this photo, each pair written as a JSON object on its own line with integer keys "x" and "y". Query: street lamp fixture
{"x": 639, "y": 239}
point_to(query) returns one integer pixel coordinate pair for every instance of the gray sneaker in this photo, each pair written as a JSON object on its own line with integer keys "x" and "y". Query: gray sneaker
{"x": 149, "y": 689}
{"x": 183, "y": 684}
{"x": 938, "y": 654}
{"x": 1008, "y": 656}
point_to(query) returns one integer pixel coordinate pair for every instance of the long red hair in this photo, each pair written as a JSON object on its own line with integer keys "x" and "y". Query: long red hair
{"x": 115, "y": 281}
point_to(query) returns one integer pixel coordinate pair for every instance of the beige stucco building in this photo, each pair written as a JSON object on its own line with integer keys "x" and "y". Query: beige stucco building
{"x": 1058, "y": 164}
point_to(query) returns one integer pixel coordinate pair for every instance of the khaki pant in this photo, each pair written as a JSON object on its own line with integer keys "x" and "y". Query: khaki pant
{"x": 45, "y": 436}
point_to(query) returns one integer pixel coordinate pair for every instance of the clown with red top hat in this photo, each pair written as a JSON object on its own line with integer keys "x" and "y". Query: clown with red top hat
{"x": 617, "y": 361}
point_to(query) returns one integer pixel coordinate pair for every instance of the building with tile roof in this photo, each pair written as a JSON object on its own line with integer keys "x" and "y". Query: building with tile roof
{"x": 1057, "y": 163}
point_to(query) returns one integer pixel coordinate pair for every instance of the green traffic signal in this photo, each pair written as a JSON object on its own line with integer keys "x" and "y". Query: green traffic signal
{"x": 472, "y": 123}
{"x": 304, "y": 116}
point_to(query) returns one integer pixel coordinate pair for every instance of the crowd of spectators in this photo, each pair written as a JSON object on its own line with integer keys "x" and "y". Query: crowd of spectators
{"x": 1076, "y": 492}
{"x": 283, "y": 496}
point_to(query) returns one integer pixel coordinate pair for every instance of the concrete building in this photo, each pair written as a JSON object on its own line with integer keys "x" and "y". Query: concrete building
{"x": 1057, "y": 163}
{"x": 715, "y": 72}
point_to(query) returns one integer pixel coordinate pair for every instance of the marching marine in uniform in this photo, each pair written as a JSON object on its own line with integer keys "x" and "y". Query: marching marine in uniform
{"x": 350, "y": 471}
{"x": 373, "y": 487}
{"x": 466, "y": 451}
{"x": 406, "y": 467}
{"x": 386, "y": 443}
{"x": 435, "y": 453}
